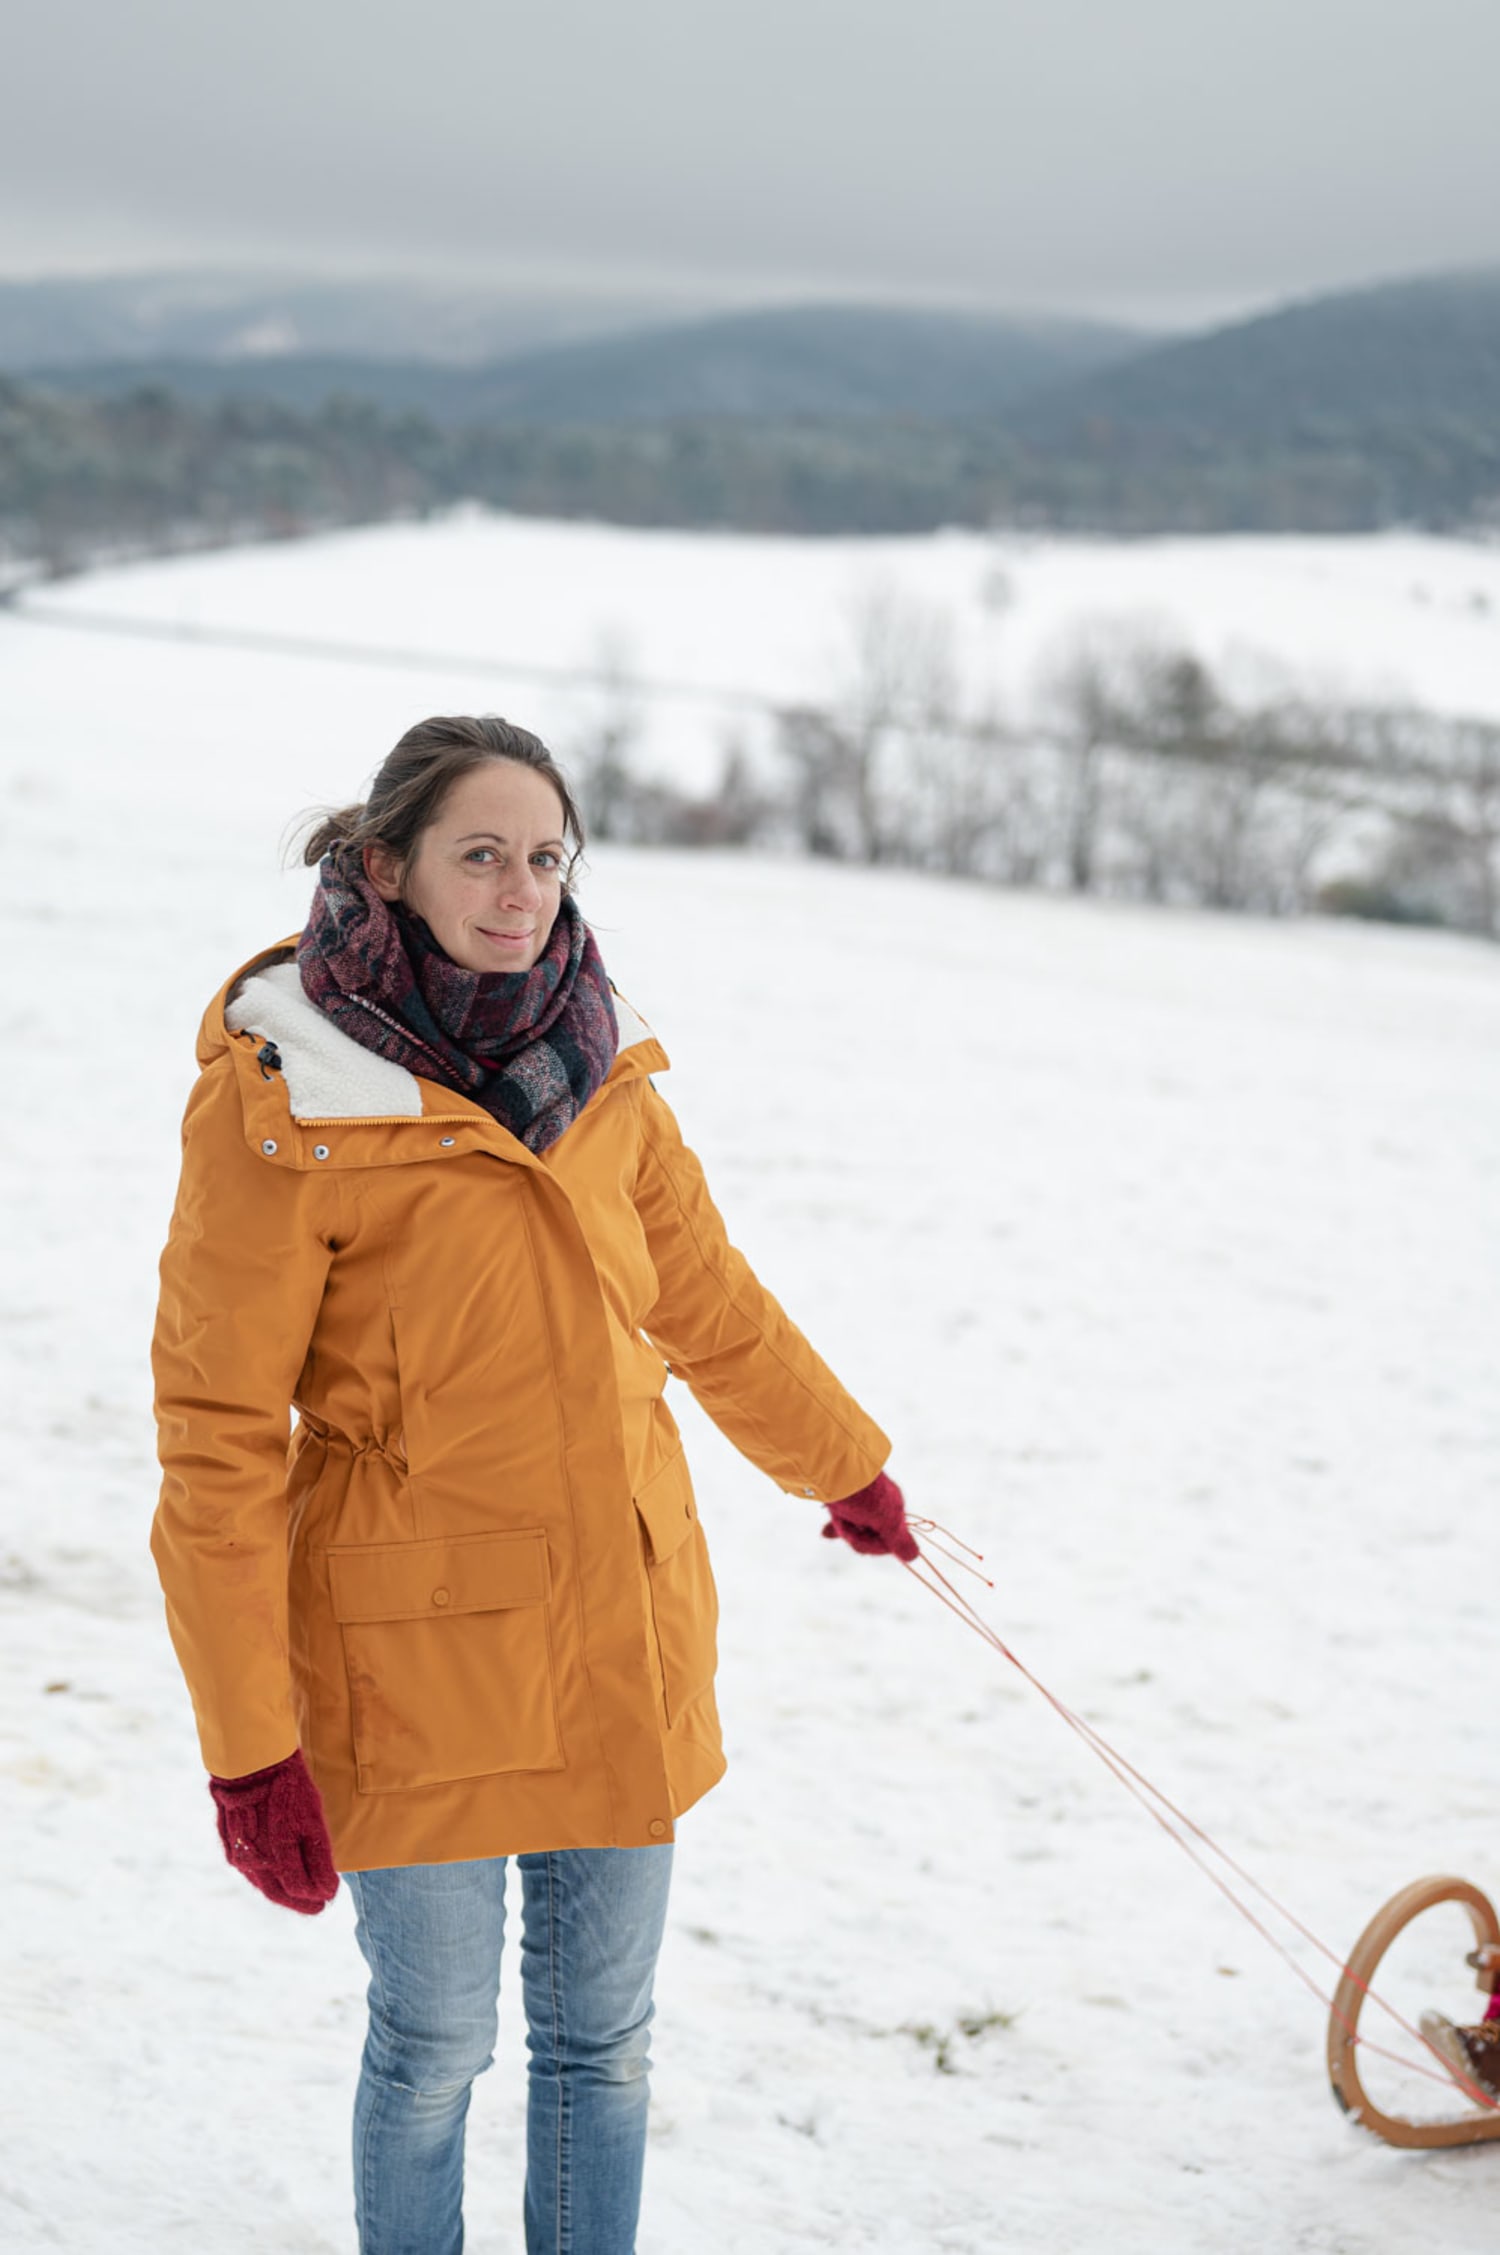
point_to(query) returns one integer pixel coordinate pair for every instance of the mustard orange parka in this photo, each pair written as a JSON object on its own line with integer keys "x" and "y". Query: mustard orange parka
{"x": 469, "y": 1580}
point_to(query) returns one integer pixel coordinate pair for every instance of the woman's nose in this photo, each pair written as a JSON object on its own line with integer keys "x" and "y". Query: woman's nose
{"x": 520, "y": 886}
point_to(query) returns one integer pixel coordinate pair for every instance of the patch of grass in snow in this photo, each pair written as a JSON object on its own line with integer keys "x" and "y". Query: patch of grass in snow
{"x": 943, "y": 2043}
{"x": 975, "y": 2025}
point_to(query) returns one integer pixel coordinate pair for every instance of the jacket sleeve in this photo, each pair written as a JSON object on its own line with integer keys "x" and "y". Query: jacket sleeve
{"x": 719, "y": 1328}
{"x": 241, "y": 1281}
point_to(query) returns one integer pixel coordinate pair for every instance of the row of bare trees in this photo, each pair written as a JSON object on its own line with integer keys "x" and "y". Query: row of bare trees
{"x": 1137, "y": 772}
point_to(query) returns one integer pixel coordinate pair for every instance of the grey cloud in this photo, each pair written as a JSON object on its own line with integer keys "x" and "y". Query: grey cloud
{"x": 1079, "y": 151}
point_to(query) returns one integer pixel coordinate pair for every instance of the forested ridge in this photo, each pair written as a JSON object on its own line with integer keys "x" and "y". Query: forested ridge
{"x": 1345, "y": 414}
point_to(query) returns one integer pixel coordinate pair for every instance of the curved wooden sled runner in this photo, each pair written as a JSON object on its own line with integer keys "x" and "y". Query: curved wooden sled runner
{"x": 1471, "y": 2128}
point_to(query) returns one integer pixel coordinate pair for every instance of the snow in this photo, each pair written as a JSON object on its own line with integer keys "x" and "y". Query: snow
{"x": 1165, "y": 1246}
{"x": 749, "y": 622}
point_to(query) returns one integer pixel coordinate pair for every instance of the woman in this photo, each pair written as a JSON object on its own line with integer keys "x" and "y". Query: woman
{"x": 432, "y": 1203}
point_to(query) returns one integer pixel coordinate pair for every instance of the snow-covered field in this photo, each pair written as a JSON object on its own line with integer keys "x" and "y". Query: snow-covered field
{"x": 749, "y": 622}
{"x": 1167, "y": 1248}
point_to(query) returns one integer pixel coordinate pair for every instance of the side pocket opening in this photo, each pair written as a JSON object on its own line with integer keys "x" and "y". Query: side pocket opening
{"x": 684, "y": 1602}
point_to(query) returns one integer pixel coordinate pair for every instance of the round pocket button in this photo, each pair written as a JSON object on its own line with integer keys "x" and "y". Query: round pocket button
{"x": 441, "y": 1597}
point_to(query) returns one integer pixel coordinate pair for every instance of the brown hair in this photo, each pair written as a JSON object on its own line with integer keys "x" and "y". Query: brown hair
{"x": 417, "y": 774}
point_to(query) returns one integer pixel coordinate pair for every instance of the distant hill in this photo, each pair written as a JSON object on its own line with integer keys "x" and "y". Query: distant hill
{"x": 1368, "y": 409}
{"x": 814, "y": 361}
{"x": 79, "y": 321}
{"x": 301, "y": 381}
{"x": 1346, "y": 412}
{"x": 828, "y": 362}
{"x": 1370, "y": 360}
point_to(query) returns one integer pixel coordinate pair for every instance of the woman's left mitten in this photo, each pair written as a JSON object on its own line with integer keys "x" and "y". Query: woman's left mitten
{"x": 873, "y": 1521}
{"x": 274, "y": 1831}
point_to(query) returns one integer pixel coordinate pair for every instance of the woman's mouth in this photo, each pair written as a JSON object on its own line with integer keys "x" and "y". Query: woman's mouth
{"x": 504, "y": 939}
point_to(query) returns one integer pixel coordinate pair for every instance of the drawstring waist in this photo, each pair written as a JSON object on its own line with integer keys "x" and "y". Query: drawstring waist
{"x": 390, "y": 1446}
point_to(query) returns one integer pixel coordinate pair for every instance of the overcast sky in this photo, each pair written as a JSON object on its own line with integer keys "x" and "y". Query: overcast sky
{"x": 1156, "y": 158}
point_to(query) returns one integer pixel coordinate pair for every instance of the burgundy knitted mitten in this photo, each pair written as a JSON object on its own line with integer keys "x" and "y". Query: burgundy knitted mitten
{"x": 873, "y": 1521}
{"x": 274, "y": 1831}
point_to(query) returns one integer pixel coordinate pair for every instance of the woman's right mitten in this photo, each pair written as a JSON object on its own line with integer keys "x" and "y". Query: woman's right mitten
{"x": 274, "y": 1831}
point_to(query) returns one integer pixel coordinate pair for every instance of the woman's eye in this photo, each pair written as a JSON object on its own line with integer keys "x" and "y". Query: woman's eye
{"x": 545, "y": 860}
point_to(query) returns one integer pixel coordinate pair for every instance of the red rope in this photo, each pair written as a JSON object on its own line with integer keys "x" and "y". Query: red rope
{"x": 1180, "y": 1827}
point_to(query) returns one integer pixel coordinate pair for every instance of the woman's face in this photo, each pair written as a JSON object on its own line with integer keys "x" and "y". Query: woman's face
{"x": 487, "y": 873}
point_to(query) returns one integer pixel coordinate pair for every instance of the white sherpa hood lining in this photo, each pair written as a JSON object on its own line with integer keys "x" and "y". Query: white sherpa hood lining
{"x": 328, "y": 1075}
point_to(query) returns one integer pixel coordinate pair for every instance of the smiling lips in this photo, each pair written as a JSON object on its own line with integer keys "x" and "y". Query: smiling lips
{"x": 505, "y": 939}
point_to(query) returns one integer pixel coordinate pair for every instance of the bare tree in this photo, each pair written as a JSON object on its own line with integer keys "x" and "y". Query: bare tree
{"x": 961, "y": 783}
{"x": 1442, "y": 778}
{"x": 733, "y": 813}
{"x": 1474, "y": 772}
{"x": 896, "y": 698}
{"x": 606, "y": 746}
{"x": 816, "y": 755}
{"x": 1085, "y": 711}
{"x": 1142, "y": 774}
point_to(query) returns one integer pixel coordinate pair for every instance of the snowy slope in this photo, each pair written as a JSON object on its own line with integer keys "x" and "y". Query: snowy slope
{"x": 1397, "y": 618}
{"x": 1166, "y": 1247}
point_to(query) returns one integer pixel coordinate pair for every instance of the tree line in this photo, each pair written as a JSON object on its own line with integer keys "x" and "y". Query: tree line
{"x": 150, "y": 472}
{"x": 1136, "y": 774}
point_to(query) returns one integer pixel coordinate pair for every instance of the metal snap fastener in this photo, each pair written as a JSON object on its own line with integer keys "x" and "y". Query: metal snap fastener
{"x": 320, "y": 1150}
{"x": 440, "y": 1597}
{"x": 446, "y": 1142}
{"x": 269, "y": 1148}
{"x": 656, "y": 1828}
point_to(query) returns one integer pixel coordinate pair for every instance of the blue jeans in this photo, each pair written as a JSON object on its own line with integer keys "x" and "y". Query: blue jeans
{"x": 592, "y": 1922}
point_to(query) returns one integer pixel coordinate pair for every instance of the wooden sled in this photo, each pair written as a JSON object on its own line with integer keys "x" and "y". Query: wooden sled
{"x": 1478, "y": 2122}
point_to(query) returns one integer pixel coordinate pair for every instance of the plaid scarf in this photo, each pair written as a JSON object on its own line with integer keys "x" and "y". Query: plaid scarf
{"x": 531, "y": 1047}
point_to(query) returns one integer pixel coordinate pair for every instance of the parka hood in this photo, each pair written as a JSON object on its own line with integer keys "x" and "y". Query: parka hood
{"x": 326, "y": 1075}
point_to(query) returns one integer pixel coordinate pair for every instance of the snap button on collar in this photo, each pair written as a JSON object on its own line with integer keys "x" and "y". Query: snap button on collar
{"x": 446, "y": 1142}
{"x": 320, "y": 1150}
{"x": 269, "y": 1147}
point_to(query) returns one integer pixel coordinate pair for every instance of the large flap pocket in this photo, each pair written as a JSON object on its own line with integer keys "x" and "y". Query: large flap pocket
{"x": 667, "y": 1510}
{"x": 447, "y": 1658}
{"x": 456, "y": 1574}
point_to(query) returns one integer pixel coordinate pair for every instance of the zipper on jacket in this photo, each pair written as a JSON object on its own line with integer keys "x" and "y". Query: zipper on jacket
{"x": 391, "y": 1119}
